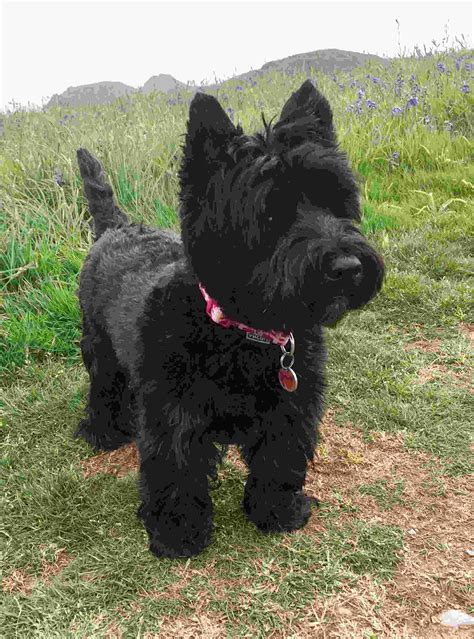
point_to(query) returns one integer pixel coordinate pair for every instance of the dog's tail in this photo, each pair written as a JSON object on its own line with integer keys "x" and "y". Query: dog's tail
{"x": 102, "y": 206}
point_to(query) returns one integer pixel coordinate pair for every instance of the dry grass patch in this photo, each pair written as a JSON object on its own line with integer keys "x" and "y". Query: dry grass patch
{"x": 427, "y": 346}
{"x": 118, "y": 462}
{"x": 435, "y": 573}
{"x": 201, "y": 624}
{"x": 21, "y": 582}
{"x": 18, "y": 582}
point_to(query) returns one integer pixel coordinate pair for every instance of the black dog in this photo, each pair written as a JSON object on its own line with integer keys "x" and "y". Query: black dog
{"x": 216, "y": 337}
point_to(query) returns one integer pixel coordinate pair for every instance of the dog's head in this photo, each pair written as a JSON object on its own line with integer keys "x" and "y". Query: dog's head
{"x": 268, "y": 220}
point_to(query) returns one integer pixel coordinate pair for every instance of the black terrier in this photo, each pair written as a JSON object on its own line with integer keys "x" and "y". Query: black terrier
{"x": 216, "y": 337}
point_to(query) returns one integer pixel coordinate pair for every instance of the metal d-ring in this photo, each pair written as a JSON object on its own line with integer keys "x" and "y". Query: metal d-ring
{"x": 289, "y": 353}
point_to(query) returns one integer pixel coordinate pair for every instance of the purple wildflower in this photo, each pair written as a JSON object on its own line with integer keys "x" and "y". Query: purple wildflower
{"x": 468, "y": 66}
{"x": 230, "y": 111}
{"x": 412, "y": 102}
{"x": 239, "y": 88}
{"x": 58, "y": 178}
{"x": 353, "y": 84}
{"x": 398, "y": 84}
{"x": 458, "y": 64}
{"x": 396, "y": 110}
{"x": 358, "y": 107}
{"x": 171, "y": 102}
{"x": 361, "y": 92}
{"x": 376, "y": 80}
{"x": 341, "y": 86}
{"x": 465, "y": 87}
{"x": 395, "y": 156}
{"x": 441, "y": 68}
{"x": 371, "y": 104}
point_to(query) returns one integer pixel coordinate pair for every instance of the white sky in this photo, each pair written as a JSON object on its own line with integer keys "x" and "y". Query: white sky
{"x": 49, "y": 46}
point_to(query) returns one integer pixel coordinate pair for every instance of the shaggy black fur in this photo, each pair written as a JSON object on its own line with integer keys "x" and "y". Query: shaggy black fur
{"x": 267, "y": 228}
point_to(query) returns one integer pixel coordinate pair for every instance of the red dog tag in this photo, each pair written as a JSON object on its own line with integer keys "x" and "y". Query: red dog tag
{"x": 288, "y": 379}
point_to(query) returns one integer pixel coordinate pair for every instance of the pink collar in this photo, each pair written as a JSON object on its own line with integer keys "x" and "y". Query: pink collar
{"x": 217, "y": 315}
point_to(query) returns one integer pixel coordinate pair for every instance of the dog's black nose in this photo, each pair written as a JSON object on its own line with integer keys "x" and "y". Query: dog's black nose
{"x": 347, "y": 268}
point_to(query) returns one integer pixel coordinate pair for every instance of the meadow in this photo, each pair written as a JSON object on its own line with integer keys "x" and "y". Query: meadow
{"x": 385, "y": 553}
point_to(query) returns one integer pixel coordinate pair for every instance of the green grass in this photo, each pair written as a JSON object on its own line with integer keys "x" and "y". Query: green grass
{"x": 50, "y": 505}
{"x": 417, "y": 208}
{"x": 385, "y": 496}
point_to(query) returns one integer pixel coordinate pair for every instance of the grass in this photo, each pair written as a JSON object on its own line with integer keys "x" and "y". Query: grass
{"x": 75, "y": 556}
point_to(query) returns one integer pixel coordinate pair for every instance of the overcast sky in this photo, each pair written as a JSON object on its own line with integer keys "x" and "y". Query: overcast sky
{"x": 49, "y": 46}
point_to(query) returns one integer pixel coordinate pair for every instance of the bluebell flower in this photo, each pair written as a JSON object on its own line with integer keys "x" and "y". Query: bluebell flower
{"x": 396, "y": 110}
{"x": 230, "y": 112}
{"x": 239, "y": 88}
{"x": 395, "y": 156}
{"x": 375, "y": 80}
{"x": 341, "y": 86}
{"x": 361, "y": 92}
{"x": 465, "y": 87}
{"x": 441, "y": 68}
{"x": 58, "y": 178}
{"x": 468, "y": 66}
{"x": 458, "y": 64}
{"x": 371, "y": 104}
{"x": 412, "y": 102}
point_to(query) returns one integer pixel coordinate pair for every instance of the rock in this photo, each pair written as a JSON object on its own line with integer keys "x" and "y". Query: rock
{"x": 456, "y": 618}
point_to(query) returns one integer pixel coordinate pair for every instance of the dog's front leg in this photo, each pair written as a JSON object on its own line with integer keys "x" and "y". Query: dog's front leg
{"x": 175, "y": 461}
{"x": 273, "y": 498}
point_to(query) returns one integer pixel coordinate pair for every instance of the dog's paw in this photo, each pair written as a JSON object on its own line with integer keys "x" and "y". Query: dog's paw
{"x": 278, "y": 511}
{"x": 180, "y": 548}
{"x": 178, "y": 534}
{"x": 109, "y": 439}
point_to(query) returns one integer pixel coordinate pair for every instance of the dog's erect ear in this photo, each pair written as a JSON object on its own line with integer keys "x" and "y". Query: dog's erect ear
{"x": 308, "y": 104}
{"x": 209, "y": 127}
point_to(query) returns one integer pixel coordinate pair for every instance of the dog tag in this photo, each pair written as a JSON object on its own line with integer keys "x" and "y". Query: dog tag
{"x": 288, "y": 379}
{"x": 286, "y": 374}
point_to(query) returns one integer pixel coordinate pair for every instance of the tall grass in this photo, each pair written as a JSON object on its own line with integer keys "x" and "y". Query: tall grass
{"x": 403, "y": 125}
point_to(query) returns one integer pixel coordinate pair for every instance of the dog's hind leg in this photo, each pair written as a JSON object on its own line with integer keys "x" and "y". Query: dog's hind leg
{"x": 109, "y": 423}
